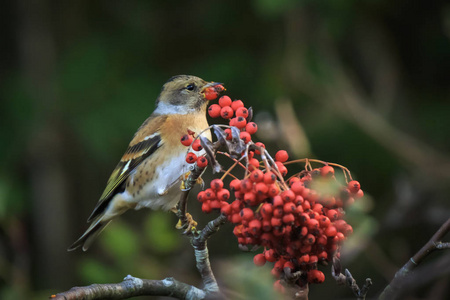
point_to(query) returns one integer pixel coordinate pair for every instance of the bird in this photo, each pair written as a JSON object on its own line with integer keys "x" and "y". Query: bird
{"x": 150, "y": 172}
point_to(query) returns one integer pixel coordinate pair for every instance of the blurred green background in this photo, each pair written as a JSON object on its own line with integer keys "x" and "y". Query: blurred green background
{"x": 361, "y": 83}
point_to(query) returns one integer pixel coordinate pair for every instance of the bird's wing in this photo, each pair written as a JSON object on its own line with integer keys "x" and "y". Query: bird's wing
{"x": 145, "y": 142}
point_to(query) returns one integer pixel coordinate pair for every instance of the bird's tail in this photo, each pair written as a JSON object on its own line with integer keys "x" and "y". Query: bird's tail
{"x": 86, "y": 240}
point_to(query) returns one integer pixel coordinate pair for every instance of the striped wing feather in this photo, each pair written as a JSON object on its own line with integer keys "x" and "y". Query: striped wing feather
{"x": 145, "y": 142}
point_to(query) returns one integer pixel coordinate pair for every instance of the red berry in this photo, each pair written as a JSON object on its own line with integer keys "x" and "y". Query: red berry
{"x": 312, "y": 224}
{"x": 246, "y": 185}
{"x": 354, "y": 186}
{"x": 293, "y": 180}
{"x": 330, "y": 231}
{"x": 225, "y": 208}
{"x": 304, "y": 259}
{"x": 277, "y": 201}
{"x": 236, "y": 104}
{"x": 259, "y": 259}
{"x": 298, "y": 187}
{"x": 201, "y": 196}
{"x": 247, "y": 214}
{"x": 327, "y": 171}
{"x": 288, "y": 219}
{"x": 216, "y": 184}
{"x": 240, "y": 122}
{"x": 228, "y": 134}
{"x": 241, "y": 112}
{"x": 282, "y": 168}
{"x": 281, "y": 156}
{"x": 209, "y": 193}
{"x": 196, "y": 145}
{"x": 332, "y": 214}
{"x": 261, "y": 189}
{"x": 250, "y": 198}
{"x": 270, "y": 255}
{"x": 273, "y": 190}
{"x": 232, "y": 122}
{"x": 245, "y": 136}
{"x": 223, "y": 195}
{"x": 289, "y": 207}
{"x": 215, "y": 204}
{"x": 206, "y": 207}
{"x": 266, "y": 210}
{"x": 202, "y": 162}
{"x": 257, "y": 176}
{"x": 278, "y": 212}
{"x": 288, "y": 196}
{"x": 260, "y": 145}
{"x": 269, "y": 177}
{"x": 251, "y": 127}
{"x": 253, "y": 164}
{"x": 359, "y": 194}
{"x": 266, "y": 225}
{"x": 235, "y": 184}
{"x": 186, "y": 140}
{"x": 254, "y": 226}
{"x": 210, "y": 93}
{"x": 276, "y": 222}
{"x": 191, "y": 158}
{"x": 309, "y": 239}
{"x": 225, "y": 101}
{"x": 214, "y": 110}
{"x": 226, "y": 112}
{"x": 315, "y": 276}
{"x": 236, "y": 218}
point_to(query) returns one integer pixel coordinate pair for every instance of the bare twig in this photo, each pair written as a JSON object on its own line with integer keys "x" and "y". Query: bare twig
{"x": 348, "y": 280}
{"x": 435, "y": 243}
{"x": 131, "y": 287}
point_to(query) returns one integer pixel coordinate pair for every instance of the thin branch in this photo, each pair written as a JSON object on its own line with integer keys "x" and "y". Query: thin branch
{"x": 349, "y": 281}
{"x": 435, "y": 243}
{"x": 132, "y": 287}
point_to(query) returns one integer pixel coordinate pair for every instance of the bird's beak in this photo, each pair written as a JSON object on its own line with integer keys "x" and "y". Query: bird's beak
{"x": 212, "y": 89}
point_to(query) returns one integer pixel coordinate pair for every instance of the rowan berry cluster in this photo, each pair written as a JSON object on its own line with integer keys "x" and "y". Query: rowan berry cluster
{"x": 298, "y": 220}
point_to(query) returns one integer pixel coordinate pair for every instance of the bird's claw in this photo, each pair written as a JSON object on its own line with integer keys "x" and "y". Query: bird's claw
{"x": 189, "y": 225}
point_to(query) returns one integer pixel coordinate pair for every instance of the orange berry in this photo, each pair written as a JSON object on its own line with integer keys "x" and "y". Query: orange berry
{"x": 242, "y": 112}
{"x": 226, "y": 112}
{"x": 196, "y": 145}
{"x": 186, "y": 140}
{"x": 354, "y": 186}
{"x": 236, "y": 104}
{"x": 281, "y": 156}
{"x": 225, "y": 101}
{"x": 202, "y": 162}
{"x": 259, "y": 259}
{"x": 191, "y": 158}
{"x": 245, "y": 136}
{"x": 214, "y": 110}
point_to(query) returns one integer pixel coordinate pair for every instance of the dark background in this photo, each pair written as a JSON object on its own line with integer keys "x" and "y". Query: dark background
{"x": 361, "y": 83}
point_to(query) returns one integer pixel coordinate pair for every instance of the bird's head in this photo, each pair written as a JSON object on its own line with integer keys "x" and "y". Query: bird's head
{"x": 184, "y": 94}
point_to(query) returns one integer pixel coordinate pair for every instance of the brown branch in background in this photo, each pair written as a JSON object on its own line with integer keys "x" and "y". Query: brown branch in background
{"x": 131, "y": 287}
{"x": 348, "y": 280}
{"x": 435, "y": 243}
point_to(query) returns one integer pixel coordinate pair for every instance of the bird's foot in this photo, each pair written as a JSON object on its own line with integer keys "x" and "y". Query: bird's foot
{"x": 189, "y": 224}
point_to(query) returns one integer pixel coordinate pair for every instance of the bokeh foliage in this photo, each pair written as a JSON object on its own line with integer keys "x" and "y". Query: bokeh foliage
{"x": 78, "y": 77}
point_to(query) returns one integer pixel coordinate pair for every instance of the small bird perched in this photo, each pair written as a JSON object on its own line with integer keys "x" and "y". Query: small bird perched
{"x": 150, "y": 171}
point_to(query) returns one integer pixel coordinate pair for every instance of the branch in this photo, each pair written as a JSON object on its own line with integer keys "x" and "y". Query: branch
{"x": 435, "y": 243}
{"x": 348, "y": 280}
{"x": 131, "y": 287}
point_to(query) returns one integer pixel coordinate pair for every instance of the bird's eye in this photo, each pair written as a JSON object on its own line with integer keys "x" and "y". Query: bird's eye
{"x": 190, "y": 87}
